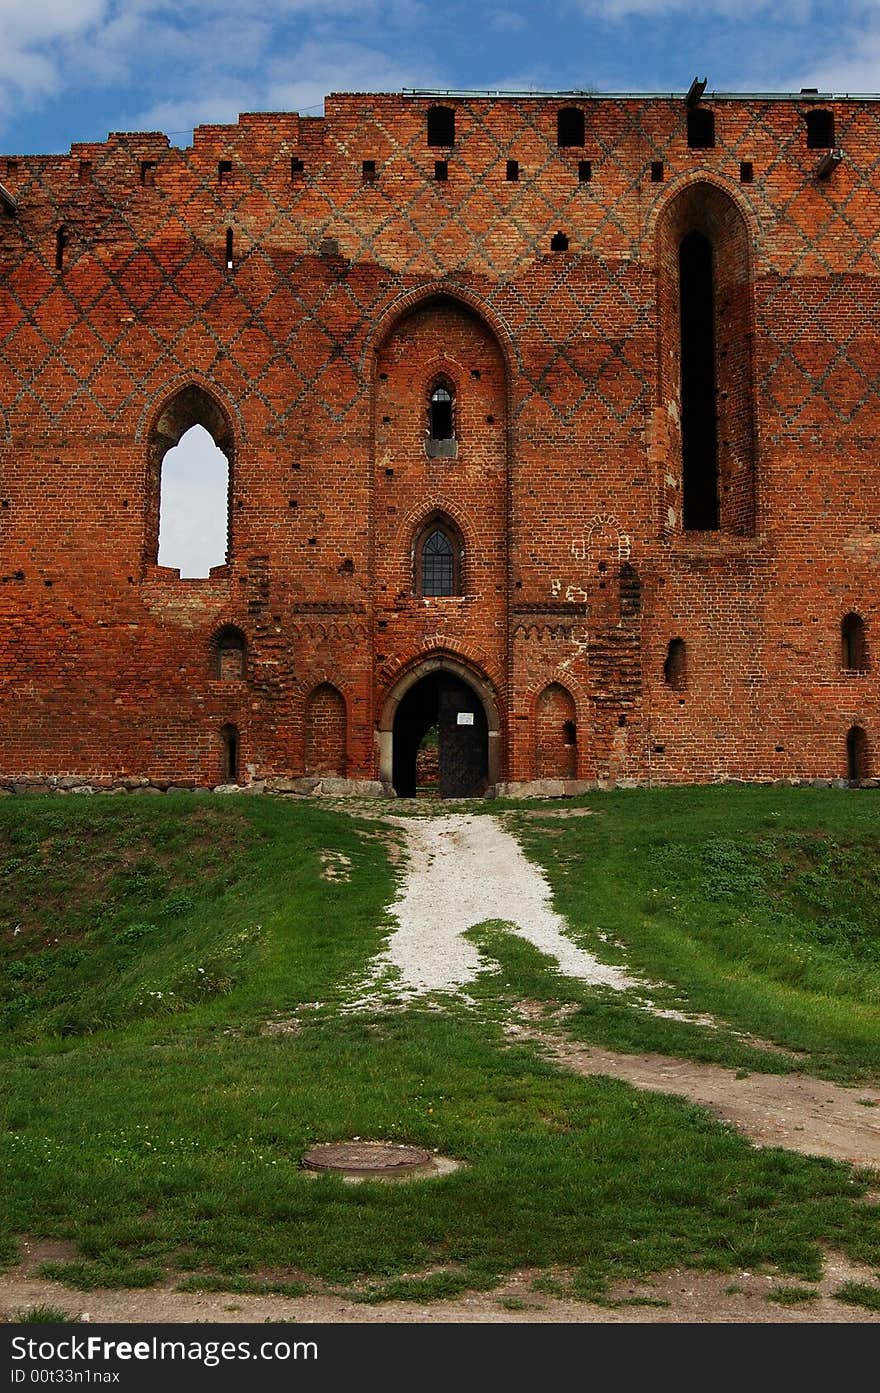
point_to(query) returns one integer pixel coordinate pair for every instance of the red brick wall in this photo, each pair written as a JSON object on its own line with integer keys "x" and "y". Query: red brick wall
{"x": 326, "y": 735}
{"x": 344, "y": 302}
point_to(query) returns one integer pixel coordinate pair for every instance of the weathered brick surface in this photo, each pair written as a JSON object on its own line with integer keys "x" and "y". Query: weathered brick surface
{"x": 310, "y": 361}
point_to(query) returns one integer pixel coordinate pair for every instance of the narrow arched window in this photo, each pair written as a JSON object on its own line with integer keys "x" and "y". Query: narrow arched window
{"x": 438, "y": 554}
{"x": 699, "y": 424}
{"x": 857, "y": 755}
{"x": 228, "y": 654}
{"x": 441, "y": 125}
{"x": 229, "y": 753}
{"x": 440, "y": 424}
{"x": 193, "y": 505}
{"x": 854, "y": 648}
{"x": 820, "y": 130}
{"x": 189, "y": 484}
{"x": 569, "y": 127}
{"x": 675, "y": 667}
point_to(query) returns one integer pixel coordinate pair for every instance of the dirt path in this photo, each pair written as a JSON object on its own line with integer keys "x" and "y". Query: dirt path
{"x": 678, "y": 1296}
{"x": 793, "y": 1111}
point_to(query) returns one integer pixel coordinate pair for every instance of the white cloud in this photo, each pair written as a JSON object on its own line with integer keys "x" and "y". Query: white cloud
{"x": 188, "y": 52}
{"x": 777, "y": 10}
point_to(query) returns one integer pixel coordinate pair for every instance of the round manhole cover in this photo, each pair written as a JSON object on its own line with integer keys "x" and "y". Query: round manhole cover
{"x": 366, "y": 1158}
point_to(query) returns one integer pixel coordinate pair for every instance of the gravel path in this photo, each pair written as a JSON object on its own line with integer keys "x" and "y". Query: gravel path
{"x": 462, "y": 871}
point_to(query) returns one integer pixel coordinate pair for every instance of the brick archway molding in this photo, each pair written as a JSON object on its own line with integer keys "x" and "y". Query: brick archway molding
{"x": 479, "y": 685}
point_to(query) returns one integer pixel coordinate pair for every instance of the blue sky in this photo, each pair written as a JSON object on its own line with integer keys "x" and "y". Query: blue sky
{"x": 76, "y": 69}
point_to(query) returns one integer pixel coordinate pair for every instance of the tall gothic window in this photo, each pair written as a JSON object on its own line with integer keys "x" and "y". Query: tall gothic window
{"x": 438, "y": 553}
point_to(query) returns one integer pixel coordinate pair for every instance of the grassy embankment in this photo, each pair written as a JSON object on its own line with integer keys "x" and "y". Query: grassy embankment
{"x": 145, "y": 942}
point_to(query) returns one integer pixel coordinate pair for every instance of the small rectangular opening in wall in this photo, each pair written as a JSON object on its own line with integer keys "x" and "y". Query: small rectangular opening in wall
{"x": 656, "y": 171}
{"x": 585, "y": 171}
{"x": 297, "y": 168}
{"x": 441, "y": 171}
{"x": 230, "y": 249}
{"x": 224, "y": 172}
{"x": 512, "y": 174}
{"x": 11, "y": 167}
{"x": 85, "y": 171}
{"x": 368, "y": 171}
{"x": 746, "y": 172}
{"x": 148, "y": 173}
{"x": 700, "y": 128}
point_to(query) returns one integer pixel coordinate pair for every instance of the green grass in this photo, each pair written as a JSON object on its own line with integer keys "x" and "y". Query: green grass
{"x": 859, "y": 1294}
{"x": 759, "y": 906}
{"x": 163, "y": 1135}
{"x": 43, "y": 1315}
{"x": 792, "y": 1296}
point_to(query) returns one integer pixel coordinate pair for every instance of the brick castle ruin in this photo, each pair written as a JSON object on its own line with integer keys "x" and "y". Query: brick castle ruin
{"x": 550, "y": 424}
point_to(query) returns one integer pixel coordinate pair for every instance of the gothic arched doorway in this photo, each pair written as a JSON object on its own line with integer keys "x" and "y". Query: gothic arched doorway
{"x": 443, "y": 702}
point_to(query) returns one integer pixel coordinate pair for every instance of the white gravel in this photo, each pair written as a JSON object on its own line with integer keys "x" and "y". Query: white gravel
{"x": 462, "y": 871}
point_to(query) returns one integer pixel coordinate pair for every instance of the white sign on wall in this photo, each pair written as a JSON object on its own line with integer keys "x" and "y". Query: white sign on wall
{"x": 465, "y": 718}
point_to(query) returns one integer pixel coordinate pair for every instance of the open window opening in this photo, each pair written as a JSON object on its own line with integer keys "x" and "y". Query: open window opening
{"x": 60, "y": 247}
{"x": 230, "y": 249}
{"x": 559, "y": 242}
{"x": 229, "y": 754}
{"x": 854, "y": 647}
{"x": 857, "y": 755}
{"x": 440, "y": 442}
{"x": 569, "y": 128}
{"x": 440, "y": 424}
{"x": 189, "y": 485}
{"x": 512, "y": 173}
{"x": 228, "y": 651}
{"x": 441, "y": 125}
{"x": 675, "y": 666}
{"x": 438, "y": 559}
{"x": 820, "y": 130}
{"x": 699, "y": 429}
{"x": 700, "y": 128}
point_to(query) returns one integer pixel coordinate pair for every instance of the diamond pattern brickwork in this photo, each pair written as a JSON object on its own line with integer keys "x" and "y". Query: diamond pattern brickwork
{"x": 144, "y": 304}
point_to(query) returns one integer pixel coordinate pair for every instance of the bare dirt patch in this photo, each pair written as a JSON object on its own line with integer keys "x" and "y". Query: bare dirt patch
{"x": 793, "y": 1111}
{"x": 676, "y": 1296}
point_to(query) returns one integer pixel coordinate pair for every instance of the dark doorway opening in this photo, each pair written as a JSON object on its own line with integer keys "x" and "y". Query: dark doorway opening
{"x": 441, "y": 707}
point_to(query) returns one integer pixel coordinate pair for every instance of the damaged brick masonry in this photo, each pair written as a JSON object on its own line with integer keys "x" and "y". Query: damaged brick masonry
{"x": 551, "y": 428}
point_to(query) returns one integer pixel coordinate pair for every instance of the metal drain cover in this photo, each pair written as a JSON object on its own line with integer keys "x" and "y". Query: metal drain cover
{"x": 366, "y": 1158}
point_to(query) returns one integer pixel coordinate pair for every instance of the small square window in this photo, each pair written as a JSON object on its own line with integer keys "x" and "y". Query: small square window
{"x": 585, "y": 171}
{"x": 512, "y": 175}
{"x": 441, "y": 171}
{"x": 746, "y": 172}
{"x": 656, "y": 171}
